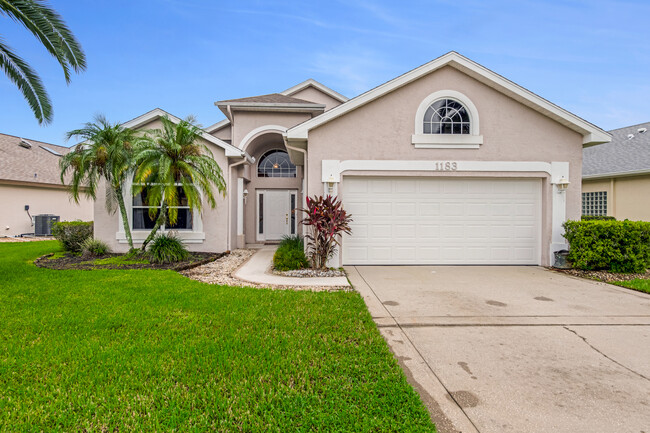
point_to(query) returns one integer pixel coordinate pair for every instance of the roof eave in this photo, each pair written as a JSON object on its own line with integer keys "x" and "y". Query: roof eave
{"x": 591, "y": 134}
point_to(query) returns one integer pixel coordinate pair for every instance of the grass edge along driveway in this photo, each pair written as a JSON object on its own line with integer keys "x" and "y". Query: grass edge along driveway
{"x": 142, "y": 350}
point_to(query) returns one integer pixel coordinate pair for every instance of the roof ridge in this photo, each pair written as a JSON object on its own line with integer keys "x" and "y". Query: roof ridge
{"x": 631, "y": 126}
{"x": 34, "y": 140}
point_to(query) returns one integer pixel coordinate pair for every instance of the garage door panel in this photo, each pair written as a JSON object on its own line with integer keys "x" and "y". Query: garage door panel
{"x": 438, "y": 221}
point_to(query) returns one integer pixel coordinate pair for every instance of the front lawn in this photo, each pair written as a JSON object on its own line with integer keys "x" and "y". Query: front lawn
{"x": 637, "y": 284}
{"x": 145, "y": 350}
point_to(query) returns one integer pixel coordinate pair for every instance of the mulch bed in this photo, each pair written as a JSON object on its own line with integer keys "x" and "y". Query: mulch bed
{"x": 605, "y": 276}
{"x": 70, "y": 261}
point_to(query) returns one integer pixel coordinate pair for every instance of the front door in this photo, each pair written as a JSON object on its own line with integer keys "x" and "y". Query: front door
{"x": 278, "y": 218}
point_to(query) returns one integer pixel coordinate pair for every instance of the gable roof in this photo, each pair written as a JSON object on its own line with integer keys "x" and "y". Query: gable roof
{"x": 272, "y": 98}
{"x": 30, "y": 161}
{"x": 315, "y": 84}
{"x": 289, "y": 92}
{"x": 157, "y": 113}
{"x": 591, "y": 133}
{"x": 627, "y": 154}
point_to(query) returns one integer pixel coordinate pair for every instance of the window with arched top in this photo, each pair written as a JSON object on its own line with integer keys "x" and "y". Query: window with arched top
{"x": 276, "y": 163}
{"x": 446, "y": 116}
{"x": 447, "y": 119}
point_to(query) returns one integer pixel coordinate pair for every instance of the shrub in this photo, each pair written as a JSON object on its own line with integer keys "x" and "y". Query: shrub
{"x": 167, "y": 248}
{"x": 72, "y": 234}
{"x": 618, "y": 246}
{"x": 597, "y": 218}
{"x": 95, "y": 247}
{"x": 290, "y": 254}
{"x": 327, "y": 220}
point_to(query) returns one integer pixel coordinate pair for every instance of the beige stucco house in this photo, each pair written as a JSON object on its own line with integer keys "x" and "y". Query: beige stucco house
{"x": 30, "y": 185}
{"x": 449, "y": 163}
{"x": 616, "y": 175}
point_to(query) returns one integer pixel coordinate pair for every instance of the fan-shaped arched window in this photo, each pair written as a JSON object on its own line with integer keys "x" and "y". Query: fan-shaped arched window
{"x": 446, "y": 116}
{"x": 276, "y": 163}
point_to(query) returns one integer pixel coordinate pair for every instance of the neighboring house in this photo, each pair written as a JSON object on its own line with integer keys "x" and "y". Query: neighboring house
{"x": 616, "y": 175}
{"x": 449, "y": 163}
{"x": 30, "y": 176}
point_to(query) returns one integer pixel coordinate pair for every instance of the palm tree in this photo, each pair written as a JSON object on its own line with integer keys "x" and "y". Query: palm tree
{"x": 106, "y": 153}
{"x": 50, "y": 29}
{"x": 170, "y": 161}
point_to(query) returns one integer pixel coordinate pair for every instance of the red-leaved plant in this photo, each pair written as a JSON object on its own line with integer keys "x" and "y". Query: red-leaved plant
{"x": 327, "y": 220}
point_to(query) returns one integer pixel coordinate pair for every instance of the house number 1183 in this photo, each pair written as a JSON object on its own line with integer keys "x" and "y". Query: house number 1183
{"x": 446, "y": 166}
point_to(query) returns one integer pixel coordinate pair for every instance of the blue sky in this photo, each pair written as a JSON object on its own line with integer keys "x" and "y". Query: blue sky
{"x": 590, "y": 57}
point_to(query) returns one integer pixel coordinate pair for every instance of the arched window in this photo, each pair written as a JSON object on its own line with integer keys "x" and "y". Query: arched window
{"x": 276, "y": 163}
{"x": 446, "y": 119}
{"x": 446, "y": 116}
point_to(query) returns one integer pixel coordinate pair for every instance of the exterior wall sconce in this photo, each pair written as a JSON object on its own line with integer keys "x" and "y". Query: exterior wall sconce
{"x": 562, "y": 184}
{"x": 245, "y": 194}
{"x": 330, "y": 184}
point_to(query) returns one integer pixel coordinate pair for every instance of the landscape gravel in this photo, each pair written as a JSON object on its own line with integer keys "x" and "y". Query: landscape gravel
{"x": 222, "y": 270}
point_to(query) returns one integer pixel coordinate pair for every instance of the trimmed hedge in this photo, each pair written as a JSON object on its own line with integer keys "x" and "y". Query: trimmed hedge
{"x": 72, "y": 234}
{"x": 597, "y": 218}
{"x": 618, "y": 246}
{"x": 290, "y": 254}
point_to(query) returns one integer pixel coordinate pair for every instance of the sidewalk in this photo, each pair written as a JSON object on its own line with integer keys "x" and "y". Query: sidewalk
{"x": 258, "y": 270}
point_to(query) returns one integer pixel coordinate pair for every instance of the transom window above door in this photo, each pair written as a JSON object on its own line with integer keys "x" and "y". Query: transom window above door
{"x": 446, "y": 116}
{"x": 276, "y": 163}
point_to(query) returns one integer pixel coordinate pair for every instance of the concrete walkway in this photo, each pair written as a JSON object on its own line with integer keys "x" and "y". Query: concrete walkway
{"x": 258, "y": 270}
{"x": 515, "y": 349}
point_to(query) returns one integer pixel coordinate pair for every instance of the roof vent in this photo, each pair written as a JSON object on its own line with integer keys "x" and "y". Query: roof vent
{"x": 641, "y": 130}
{"x": 630, "y": 136}
{"x": 24, "y": 143}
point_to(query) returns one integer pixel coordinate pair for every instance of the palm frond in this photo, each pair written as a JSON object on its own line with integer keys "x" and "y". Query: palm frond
{"x": 50, "y": 29}
{"x": 28, "y": 82}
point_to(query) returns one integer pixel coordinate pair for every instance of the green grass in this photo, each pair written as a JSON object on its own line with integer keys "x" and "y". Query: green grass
{"x": 638, "y": 284}
{"x": 115, "y": 261}
{"x": 146, "y": 350}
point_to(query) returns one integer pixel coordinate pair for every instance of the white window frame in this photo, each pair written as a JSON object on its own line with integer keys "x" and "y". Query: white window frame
{"x": 473, "y": 140}
{"x": 193, "y": 236}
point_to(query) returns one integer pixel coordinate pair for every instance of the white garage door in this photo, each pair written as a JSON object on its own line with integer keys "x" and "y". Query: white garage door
{"x": 442, "y": 221}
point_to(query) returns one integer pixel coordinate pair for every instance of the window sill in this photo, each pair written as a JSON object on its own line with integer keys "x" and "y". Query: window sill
{"x": 446, "y": 141}
{"x": 188, "y": 237}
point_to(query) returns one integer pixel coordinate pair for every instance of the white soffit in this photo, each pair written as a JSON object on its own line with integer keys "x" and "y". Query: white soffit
{"x": 591, "y": 133}
{"x": 156, "y": 113}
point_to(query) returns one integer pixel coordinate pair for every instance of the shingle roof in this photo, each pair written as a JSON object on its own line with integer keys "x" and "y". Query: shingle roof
{"x": 622, "y": 155}
{"x": 38, "y": 164}
{"x": 272, "y": 98}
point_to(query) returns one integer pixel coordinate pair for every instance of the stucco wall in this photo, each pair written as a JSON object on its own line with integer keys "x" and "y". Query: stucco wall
{"x": 246, "y": 121}
{"x": 41, "y": 200}
{"x": 215, "y": 221}
{"x": 626, "y": 196}
{"x": 511, "y": 131}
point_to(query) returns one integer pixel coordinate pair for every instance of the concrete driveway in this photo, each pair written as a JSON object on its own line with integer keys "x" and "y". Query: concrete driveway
{"x": 515, "y": 349}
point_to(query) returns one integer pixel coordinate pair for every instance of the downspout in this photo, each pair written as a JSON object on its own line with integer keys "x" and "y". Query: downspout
{"x": 249, "y": 159}
{"x": 306, "y": 178}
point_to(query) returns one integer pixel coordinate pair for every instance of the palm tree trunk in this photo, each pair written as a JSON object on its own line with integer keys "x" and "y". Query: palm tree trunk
{"x": 162, "y": 216}
{"x": 125, "y": 218}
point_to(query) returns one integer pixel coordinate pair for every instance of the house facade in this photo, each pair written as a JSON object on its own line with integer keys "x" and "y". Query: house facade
{"x": 30, "y": 185}
{"x": 449, "y": 163}
{"x": 616, "y": 175}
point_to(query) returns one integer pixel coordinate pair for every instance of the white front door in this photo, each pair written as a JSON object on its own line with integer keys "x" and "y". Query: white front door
{"x": 276, "y": 213}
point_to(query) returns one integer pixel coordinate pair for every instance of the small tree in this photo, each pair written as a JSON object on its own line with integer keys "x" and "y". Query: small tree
{"x": 170, "y": 158}
{"x": 106, "y": 154}
{"x": 327, "y": 221}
